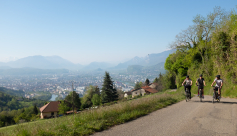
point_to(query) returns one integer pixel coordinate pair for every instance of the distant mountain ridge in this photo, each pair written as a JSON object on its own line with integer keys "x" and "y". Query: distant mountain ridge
{"x": 56, "y": 62}
{"x": 51, "y": 62}
{"x": 138, "y": 69}
{"x": 98, "y": 65}
{"x": 149, "y": 60}
{"x": 41, "y": 62}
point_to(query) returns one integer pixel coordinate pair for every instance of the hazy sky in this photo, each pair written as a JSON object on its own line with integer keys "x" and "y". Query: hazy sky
{"x": 84, "y": 31}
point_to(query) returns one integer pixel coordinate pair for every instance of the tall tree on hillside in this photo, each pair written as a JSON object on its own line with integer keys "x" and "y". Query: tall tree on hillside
{"x": 115, "y": 94}
{"x": 200, "y": 31}
{"x": 159, "y": 82}
{"x": 97, "y": 90}
{"x": 109, "y": 93}
{"x": 147, "y": 82}
{"x": 156, "y": 80}
{"x": 159, "y": 79}
{"x": 35, "y": 110}
{"x": 160, "y": 76}
{"x": 76, "y": 99}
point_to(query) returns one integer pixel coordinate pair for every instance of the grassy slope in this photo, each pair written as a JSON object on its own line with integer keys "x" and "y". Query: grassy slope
{"x": 100, "y": 119}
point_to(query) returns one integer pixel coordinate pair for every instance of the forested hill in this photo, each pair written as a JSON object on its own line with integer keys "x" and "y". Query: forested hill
{"x": 9, "y": 102}
{"x": 15, "y": 108}
{"x": 12, "y": 92}
{"x": 208, "y": 47}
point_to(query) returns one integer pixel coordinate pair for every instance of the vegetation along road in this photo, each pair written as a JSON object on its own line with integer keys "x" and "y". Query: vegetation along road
{"x": 184, "y": 118}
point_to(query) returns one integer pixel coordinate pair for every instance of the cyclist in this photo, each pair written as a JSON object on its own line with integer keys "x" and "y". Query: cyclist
{"x": 201, "y": 84}
{"x": 218, "y": 86}
{"x": 188, "y": 83}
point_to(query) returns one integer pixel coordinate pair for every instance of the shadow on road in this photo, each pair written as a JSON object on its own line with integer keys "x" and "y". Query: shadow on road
{"x": 223, "y": 102}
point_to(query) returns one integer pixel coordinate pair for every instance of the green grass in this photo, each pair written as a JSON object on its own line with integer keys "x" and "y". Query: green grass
{"x": 91, "y": 121}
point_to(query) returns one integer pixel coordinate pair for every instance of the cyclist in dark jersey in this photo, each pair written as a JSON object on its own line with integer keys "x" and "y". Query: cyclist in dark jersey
{"x": 201, "y": 84}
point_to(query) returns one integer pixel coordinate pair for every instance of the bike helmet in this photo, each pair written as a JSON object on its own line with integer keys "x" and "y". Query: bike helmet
{"x": 200, "y": 75}
{"x": 218, "y": 76}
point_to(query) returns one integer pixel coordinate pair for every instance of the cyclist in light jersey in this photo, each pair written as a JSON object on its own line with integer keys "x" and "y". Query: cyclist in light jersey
{"x": 219, "y": 84}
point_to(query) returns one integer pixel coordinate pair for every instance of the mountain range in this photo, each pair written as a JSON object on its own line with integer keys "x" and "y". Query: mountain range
{"x": 138, "y": 69}
{"x": 149, "y": 60}
{"x": 42, "y": 62}
{"x": 56, "y": 62}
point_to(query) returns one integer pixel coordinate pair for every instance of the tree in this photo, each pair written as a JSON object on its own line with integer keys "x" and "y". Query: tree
{"x": 97, "y": 90}
{"x": 160, "y": 76}
{"x": 35, "y": 110}
{"x": 63, "y": 107}
{"x": 96, "y": 100}
{"x": 199, "y": 35}
{"x": 185, "y": 40}
{"x": 155, "y": 80}
{"x": 137, "y": 86}
{"x": 160, "y": 82}
{"x": 109, "y": 93}
{"x": 147, "y": 82}
{"x": 141, "y": 84}
{"x": 201, "y": 30}
{"x": 87, "y": 98}
{"x": 120, "y": 94}
{"x": 74, "y": 100}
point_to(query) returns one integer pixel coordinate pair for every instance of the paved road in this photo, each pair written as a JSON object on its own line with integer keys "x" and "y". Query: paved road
{"x": 184, "y": 119}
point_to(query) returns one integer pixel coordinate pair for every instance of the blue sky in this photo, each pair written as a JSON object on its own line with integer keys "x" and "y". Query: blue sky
{"x": 84, "y": 31}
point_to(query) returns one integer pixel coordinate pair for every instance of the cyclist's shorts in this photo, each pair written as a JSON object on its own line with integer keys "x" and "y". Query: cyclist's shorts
{"x": 200, "y": 87}
{"x": 187, "y": 86}
{"x": 216, "y": 88}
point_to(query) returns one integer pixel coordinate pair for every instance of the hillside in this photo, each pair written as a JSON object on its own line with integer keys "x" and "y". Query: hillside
{"x": 18, "y": 93}
{"x": 15, "y": 108}
{"x": 14, "y": 100}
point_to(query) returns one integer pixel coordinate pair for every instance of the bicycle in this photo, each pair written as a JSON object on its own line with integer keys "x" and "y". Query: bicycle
{"x": 187, "y": 94}
{"x": 215, "y": 95}
{"x": 200, "y": 94}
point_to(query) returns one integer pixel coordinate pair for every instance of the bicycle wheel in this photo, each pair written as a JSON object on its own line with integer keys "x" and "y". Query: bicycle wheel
{"x": 200, "y": 95}
{"x": 218, "y": 100}
{"x": 186, "y": 94}
{"x": 213, "y": 98}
